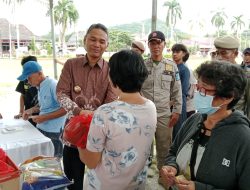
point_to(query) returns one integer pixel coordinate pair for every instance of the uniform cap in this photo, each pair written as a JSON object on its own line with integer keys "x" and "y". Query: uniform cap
{"x": 227, "y": 42}
{"x": 156, "y": 35}
{"x": 139, "y": 45}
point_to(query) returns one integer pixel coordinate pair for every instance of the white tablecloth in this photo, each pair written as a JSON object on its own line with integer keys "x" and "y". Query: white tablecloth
{"x": 24, "y": 141}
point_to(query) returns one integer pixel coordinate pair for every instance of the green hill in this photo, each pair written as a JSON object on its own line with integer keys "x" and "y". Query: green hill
{"x": 136, "y": 27}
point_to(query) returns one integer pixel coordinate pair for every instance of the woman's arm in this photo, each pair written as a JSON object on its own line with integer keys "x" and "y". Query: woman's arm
{"x": 91, "y": 159}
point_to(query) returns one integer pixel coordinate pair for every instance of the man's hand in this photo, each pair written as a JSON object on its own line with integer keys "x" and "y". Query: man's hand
{"x": 27, "y": 113}
{"x": 18, "y": 116}
{"x": 38, "y": 118}
{"x": 86, "y": 112}
{"x": 168, "y": 175}
{"x": 173, "y": 119}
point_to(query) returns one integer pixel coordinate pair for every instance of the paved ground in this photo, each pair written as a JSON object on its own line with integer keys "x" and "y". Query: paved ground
{"x": 152, "y": 180}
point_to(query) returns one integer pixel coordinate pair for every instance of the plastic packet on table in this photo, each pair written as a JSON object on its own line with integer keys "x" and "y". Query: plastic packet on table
{"x": 42, "y": 173}
{"x": 11, "y": 129}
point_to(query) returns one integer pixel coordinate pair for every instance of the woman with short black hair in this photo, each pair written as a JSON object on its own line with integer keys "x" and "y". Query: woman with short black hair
{"x": 121, "y": 132}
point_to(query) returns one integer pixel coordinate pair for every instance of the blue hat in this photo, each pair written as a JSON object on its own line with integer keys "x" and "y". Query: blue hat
{"x": 29, "y": 68}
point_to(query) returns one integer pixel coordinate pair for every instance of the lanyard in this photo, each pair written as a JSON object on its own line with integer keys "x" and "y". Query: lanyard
{"x": 197, "y": 139}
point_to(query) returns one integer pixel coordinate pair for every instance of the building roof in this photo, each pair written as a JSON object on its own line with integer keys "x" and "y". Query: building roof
{"x": 24, "y": 32}
{"x": 73, "y": 37}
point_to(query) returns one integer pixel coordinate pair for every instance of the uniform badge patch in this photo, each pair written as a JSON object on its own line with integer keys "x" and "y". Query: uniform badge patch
{"x": 177, "y": 76}
{"x": 169, "y": 67}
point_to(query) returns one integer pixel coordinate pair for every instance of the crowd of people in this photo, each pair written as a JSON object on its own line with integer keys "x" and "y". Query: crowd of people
{"x": 198, "y": 119}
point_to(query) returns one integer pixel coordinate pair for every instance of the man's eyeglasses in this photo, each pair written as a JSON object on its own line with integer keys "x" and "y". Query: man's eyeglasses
{"x": 204, "y": 91}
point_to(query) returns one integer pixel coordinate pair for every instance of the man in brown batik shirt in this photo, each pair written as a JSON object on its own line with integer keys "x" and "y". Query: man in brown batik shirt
{"x": 84, "y": 86}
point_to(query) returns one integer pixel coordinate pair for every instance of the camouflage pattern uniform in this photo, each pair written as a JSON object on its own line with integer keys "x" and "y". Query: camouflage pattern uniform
{"x": 244, "y": 103}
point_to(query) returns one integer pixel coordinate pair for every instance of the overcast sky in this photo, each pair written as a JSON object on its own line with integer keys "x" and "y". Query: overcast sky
{"x": 113, "y": 12}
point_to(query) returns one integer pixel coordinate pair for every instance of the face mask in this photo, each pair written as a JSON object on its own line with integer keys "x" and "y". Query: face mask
{"x": 203, "y": 104}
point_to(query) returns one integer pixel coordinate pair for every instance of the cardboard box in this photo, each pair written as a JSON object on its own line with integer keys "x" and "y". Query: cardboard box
{"x": 10, "y": 181}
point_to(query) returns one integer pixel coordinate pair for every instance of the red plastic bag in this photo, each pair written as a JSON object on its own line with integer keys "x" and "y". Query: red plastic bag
{"x": 5, "y": 167}
{"x": 2, "y": 155}
{"x": 76, "y": 131}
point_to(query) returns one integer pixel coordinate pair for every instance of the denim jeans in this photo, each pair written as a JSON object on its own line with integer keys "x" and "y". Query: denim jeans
{"x": 55, "y": 138}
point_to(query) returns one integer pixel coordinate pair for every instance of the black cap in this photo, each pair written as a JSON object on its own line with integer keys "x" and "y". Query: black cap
{"x": 247, "y": 50}
{"x": 156, "y": 35}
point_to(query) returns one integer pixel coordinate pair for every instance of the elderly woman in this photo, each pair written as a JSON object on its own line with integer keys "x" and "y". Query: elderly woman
{"x": 212, "y": 150}
{"x": 122, "y": 131}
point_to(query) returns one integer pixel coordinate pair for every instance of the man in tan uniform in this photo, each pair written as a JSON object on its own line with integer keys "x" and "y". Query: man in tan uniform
{"x": 246, "y": 67}
{"x": 138, "y": 47}
{"x": 162, "y": 87}
{"x": 227, "y": 49}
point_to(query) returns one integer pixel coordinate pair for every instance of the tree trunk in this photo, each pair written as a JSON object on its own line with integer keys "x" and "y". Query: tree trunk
{"x": 154, "y": 15}
{"x": 53, "y": 37}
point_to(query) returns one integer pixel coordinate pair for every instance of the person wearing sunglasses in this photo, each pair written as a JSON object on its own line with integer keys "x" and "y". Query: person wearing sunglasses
{"x": 211, "y": 151}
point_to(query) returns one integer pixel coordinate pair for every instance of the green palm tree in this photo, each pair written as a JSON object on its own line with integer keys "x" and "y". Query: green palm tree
{"x": 174, "y": 12}
{"x": 65, "y": 13}
{"x": 197, "y": 24}
{"x": 218, "y": 20}
{"x": 237, "y": 23}
{"x": 51, "y": 5}
{"x": 12, "y": 4}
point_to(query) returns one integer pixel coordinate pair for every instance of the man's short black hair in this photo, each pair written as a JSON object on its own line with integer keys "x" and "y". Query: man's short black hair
{"x": 127, "y": 71}
{"x": 97, "y": 26}
{"x": 28, "y": 58}
{"x": 229, "y": 79}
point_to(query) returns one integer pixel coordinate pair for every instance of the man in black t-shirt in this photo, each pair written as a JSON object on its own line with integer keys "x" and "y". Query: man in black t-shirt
{"x": 28, "y": 97}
